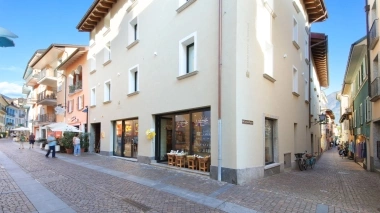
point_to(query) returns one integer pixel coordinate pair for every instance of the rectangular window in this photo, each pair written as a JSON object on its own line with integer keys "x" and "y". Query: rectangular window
{"x": 368, "y": 110}
{"x": 93, "y": 96}
{"x": 364, "y": 67}
{"x": 107, "y": 91}
{"x": 188, "y": 54}
{"x": 80, "y": 102}
{"x": 361, "y": 113}
{"x": 70, "y": 107}
{"x": 269, "y": 141}
{"x": 190, "y": 58}
{"x": 134, "y": 79}
{"x": 295, "y": 33}
{"x": 295, "y": 80}
{"x": 133, "y": 31}
{"x": 107, "y": 53}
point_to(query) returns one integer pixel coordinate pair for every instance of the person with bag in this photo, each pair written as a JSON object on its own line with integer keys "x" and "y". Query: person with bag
{"x": 76, "y": 142}
{"x": 52, "y": 142}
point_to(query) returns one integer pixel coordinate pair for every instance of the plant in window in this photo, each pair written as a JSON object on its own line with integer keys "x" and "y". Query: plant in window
{"x": 71, "y": 88}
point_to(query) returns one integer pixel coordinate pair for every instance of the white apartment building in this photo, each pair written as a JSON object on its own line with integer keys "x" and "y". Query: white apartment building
{"x": 239, "y": 81}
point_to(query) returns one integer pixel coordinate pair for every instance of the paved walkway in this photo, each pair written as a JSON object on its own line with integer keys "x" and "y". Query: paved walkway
{"x": 94, "y": 183}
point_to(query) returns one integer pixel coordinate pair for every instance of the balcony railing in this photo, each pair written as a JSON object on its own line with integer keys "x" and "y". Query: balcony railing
{"x": 46, "y": 118}
{"x": 375, "y": 89}
{"x": 76, "y": 86}
{"x": 47, "y": 94}
{"x": 374, "y": 34}
{"x": 47, "y": 73}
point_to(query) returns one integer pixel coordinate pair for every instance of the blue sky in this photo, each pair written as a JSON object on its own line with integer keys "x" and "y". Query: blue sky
{"x": 38, "y": 24}
{"x": 43, "y": 22}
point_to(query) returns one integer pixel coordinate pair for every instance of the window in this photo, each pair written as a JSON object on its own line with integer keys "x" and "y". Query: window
{"x": 295, "y": 81}
{"x": 134, "y": 79}
{"x": 295, "y": 33}
{"x": 70, "y": 106}
{"x": 368, "y": 110}
{"x": 107, "y": 53}
{"x": 361, "y": 113}
{"x": 107, "y": 91}
{"x": 354, "y": 118}
{"x": 59, "y": 88}
{"x": 188, "y": 54}
{"x": 133, "y": 33}
{"x": 80, "y": 102}
{"x": 364, "y": 67}
{"x": 307, "y": 49}
{"x": 93, "y": 96}
{"x": 269, "y": 141}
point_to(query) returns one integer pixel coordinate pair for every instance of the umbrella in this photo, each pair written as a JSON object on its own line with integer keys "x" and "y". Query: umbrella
{"x": 6, "y": 42}
{"x": 64, "y": 128}
{"x": 6, "y": 33}
{"x": 21, "y": 129}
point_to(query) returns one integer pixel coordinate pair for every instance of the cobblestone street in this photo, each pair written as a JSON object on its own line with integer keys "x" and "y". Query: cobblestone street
{"x": 94, "y": 183}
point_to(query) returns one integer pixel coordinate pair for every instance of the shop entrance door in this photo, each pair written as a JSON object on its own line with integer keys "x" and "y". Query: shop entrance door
{"x": 165, "y": 137}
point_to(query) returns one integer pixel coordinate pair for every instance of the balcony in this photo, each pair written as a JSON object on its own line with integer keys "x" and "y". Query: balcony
{"x": 25, "y": 89}
{"x": 47, "y": 97}
{"x": 375, "y": 89}
{"x": 48, "y": 77}
{"x": 74, "y": 88}
{"x": 45, "y": 118}
{"x": 374, "y": 35}
{"x": 31, "y": 78}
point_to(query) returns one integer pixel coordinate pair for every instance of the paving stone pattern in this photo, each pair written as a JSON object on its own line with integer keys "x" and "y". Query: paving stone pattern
{"x": 92, "y": 183}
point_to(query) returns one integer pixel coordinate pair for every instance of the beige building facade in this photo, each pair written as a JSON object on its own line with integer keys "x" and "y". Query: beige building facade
{"x": 241, "y": 86}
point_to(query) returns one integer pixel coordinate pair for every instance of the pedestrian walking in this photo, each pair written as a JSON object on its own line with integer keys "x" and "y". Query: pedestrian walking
{"x": 31, "y": 141}
{"x": 52, "y": 142}
{"x": 76, "y": 142}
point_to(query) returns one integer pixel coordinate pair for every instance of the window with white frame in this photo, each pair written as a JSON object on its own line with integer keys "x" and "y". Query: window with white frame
{"x": 295, "y": 33}
{"x": 364, "y": 67}
{"x": 307, "y": 49}
{"x": 133, "y": 31}
{"x": 92, "y": 64}
{"x": 354, "y": 118}
{"x": 361, "y": 113}
{"x": 368, "y": 110}
{"x": 107, "y": 53}
{"x": 295, "y": 80}
{"x": 107, "y": 91}
{"x": 188, "y": 54}
{"x": 93, "y": 96}
{"x": 70, "y": 105}
{"x": 134, "y": 79}
{"x": 80, "y": 102}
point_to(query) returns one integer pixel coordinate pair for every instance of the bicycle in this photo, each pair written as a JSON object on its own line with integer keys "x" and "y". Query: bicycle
{"x": 310, "y": 160}
{"x": 301, "y": 161}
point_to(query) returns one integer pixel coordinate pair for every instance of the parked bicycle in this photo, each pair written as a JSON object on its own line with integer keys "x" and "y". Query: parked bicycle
{"x": 304, "y": 162}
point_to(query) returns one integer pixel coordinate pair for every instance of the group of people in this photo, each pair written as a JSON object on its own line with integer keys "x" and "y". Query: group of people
{"x": 52, "y": 142}
{"x": 31, "y": 142}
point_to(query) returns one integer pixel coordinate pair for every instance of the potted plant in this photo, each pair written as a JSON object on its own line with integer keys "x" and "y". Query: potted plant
{"x": 67, "y": 142}
{"x": 84, "y": 141}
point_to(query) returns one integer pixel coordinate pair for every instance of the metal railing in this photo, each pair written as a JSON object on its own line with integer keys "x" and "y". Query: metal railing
{"x": 375, "y": 89}
{"x": 46, "y": 118}
{"x": 76, "y": 86}
{"x": 47, "y": 94}
{"x": 374, "y": 34}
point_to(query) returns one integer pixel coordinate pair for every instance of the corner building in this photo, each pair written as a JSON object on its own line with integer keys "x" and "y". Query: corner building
{"x": 204, "y": 73}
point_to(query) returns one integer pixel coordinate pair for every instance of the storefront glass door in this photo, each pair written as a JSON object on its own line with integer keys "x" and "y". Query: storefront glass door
{"x": 126, "y": 138}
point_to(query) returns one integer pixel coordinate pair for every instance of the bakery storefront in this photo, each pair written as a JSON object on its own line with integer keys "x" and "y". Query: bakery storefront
{"x": 126, "y": 138}
{"x": 184, "y": 139}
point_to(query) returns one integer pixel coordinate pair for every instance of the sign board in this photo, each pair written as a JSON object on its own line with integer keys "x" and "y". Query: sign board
{"x": 249, "y": 122}
{"x": 59, "y": 110}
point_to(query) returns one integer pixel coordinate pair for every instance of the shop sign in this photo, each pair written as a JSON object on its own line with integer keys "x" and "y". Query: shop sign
{"x": 73, "y": 118}
{"x": 249, "y": 122}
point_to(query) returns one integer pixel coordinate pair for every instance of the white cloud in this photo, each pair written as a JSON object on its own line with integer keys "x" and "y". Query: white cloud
{"x": 10, "y": 68}
{"x": 11, "y": 90}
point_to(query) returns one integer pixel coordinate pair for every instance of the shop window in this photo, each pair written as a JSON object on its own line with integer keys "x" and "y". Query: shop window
{"x": 188, "y": 54}
{"x": 93, "y": 96}
{"x": 126, "y": 138}
{"x": 107, "y": 91}
{"x": 270, "y": 132}
{"x": 134, "y": 79}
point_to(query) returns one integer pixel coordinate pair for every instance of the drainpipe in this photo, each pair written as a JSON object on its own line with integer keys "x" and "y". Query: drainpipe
{"x": 220, "y": 94}
{"x": 368, "y": 50}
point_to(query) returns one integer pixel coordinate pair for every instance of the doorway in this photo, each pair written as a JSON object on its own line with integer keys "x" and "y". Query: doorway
{"x": 96, "y": 127}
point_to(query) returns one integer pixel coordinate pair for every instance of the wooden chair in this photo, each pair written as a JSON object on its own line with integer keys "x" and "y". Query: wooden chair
{"x": 203, "y": 164}
{"x": 171, "y": 159}
{"x": 192, "y": 162}
{"x": 180, "y": 160}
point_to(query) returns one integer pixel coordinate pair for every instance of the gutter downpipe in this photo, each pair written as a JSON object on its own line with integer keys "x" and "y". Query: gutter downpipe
{"x": 220, "y": 93}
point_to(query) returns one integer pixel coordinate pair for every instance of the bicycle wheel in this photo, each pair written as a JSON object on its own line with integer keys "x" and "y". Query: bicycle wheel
{"x": 304, "y": 164}
{"x": 300, "y": 164}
